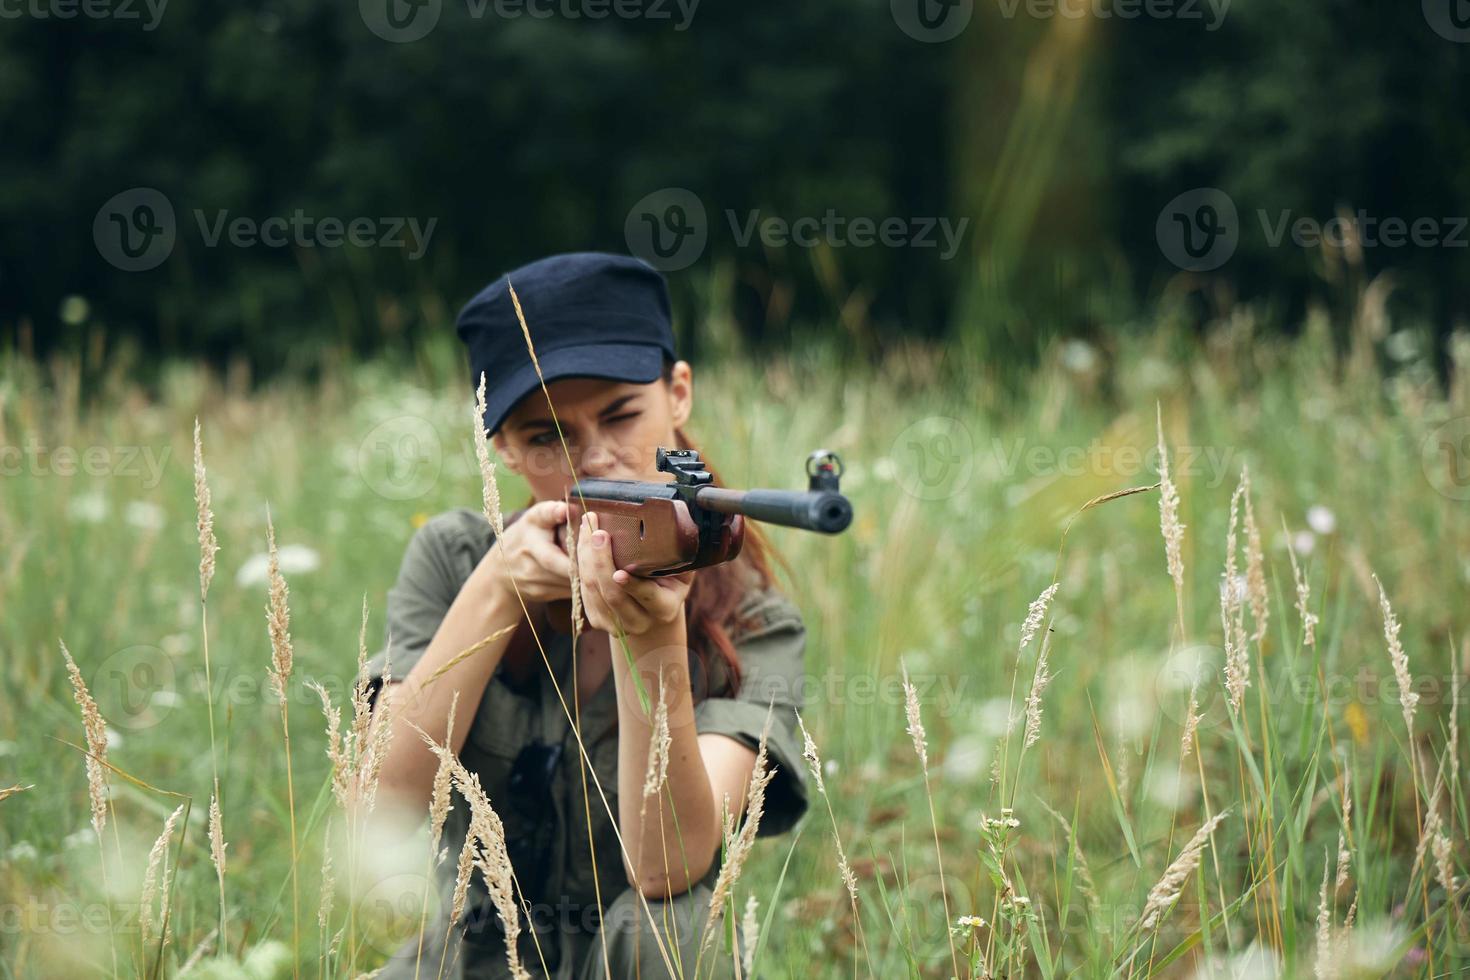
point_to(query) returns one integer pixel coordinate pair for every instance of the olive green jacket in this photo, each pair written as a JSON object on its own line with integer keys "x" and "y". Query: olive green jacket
{"x": 567, "y": 891}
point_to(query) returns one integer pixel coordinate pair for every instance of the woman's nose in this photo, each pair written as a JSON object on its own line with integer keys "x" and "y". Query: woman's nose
{"x": 603, "y": 462}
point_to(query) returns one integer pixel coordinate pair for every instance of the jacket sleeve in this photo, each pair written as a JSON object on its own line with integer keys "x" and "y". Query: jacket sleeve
{"x": 772, "y": 655}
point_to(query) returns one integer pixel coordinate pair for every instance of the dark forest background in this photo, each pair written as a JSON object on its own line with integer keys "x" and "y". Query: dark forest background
{"x": 1060, "y": 138}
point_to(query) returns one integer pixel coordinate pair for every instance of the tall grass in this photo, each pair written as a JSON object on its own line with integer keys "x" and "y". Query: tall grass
{"x": 1174, "y": 762}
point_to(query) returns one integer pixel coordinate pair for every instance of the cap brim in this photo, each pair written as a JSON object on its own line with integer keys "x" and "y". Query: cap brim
{"x": 634, "y": 363}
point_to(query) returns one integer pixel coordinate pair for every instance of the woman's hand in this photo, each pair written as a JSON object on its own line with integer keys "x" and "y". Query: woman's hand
{"x": 530, "y": 556}
{"x": 615, "y": 601}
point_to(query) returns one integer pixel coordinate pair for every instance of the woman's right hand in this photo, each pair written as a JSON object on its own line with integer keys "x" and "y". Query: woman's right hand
{"x": 529, "y": 555}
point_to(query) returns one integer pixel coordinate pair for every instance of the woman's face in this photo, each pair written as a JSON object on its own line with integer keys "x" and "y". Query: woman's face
{"x": 611, "y": 429}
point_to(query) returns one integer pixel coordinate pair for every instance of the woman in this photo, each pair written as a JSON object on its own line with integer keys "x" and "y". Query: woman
{"x": 617, "y": 884}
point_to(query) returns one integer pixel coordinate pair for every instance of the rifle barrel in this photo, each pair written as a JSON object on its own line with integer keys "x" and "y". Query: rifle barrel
{"x": 811, "y": 510}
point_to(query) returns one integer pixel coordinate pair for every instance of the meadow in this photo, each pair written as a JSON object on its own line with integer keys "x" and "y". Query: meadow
{"x": 1216, "y": 749}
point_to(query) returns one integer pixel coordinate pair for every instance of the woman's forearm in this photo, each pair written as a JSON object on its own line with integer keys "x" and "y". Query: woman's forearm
{"x": 671, "y": 840}
{"x": 480, "y": 609}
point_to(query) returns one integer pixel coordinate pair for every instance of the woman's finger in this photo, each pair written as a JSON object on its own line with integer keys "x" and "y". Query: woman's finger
{"x": 556, "y": 563}
{"x": 658, "y": 600}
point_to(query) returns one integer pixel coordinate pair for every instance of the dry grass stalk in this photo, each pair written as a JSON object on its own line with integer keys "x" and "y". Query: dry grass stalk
{"x": 491, "y": 489}
{"x": 362, "y": 709}
{"x": 208, "y": 545}
{"x": 1191, "y": 722}
{"x": 1165, "y": 893}
{"x": 916, "y": 732}
{"x": 484, "y": 848}
{"x": 1455, "y": 723}
{"x": 1172, "y": 530}
{"x": 1324, "y": 968}
{"x": 490, "y": 856}
{"x": 915, "y": 724}
{"x": 1303, "y": 595}
{"x": 278, "y": 624}
{"x": 1433, "y": 841}
{"x": 576, "y": 577}
{"x": 739, "y": 844}
{"x": 1035, "y": 613}
{"x": 357, "y": 755}
{"x": 341, "y": 763}
{"x": 1084, "y": 871}
{"x": 467, "y": 653}
{"x": 9, "y": 791}
{"x": 525, "y": 330}
{"x": 1039, "y": 681}
{"x": 278, "y": 619}
{"x": 155, "y": 879}
{"x": 1232, "y": 612}
{"x": 440, "y": 800}
{"x": 814, "y": 764}
{"x": 1408, "y": 698}
{"x": 1255, "y": 565}
{"x": 329, "y": 884}
{"x": 657, "y": 773}
{"x": 750, "y": 932}
{"x": 1344, "y": 856}
{"x": 95, "y": 730}
{"x": 217, "y": 843}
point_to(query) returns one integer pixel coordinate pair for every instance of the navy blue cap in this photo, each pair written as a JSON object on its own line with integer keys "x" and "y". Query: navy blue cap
{"x": 590, "y": 315}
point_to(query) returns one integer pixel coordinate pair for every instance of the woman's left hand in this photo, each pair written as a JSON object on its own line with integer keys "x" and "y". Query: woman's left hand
{"x": 615, "y": 601}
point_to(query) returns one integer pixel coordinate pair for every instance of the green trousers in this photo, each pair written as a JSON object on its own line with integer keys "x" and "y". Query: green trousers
{"x": 641, "y": 944}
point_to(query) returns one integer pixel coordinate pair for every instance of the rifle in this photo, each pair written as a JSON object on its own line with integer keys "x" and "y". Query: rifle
{"x": 667, "y": 528}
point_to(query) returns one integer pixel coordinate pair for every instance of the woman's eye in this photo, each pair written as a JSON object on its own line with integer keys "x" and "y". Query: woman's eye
{"x": 625, "y": 417}
{"x": 544, "y": 438}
